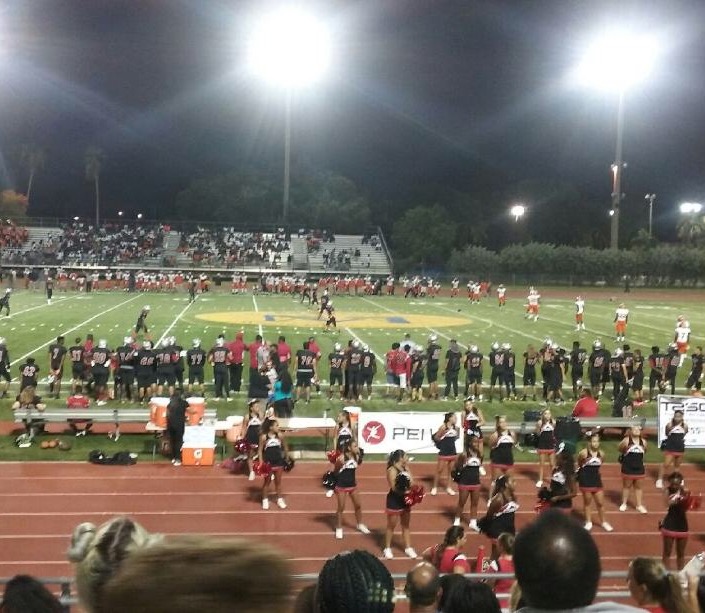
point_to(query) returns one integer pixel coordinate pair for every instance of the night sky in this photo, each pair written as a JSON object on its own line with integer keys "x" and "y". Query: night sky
{"x": 472, "y": 95}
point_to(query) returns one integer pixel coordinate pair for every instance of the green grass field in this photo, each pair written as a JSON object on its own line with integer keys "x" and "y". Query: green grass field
{"x": 376, "y": 321}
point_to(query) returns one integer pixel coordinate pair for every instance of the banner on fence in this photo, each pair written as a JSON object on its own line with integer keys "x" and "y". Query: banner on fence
{"x": 693, "y": 409}
{"x": 412, "y": 432}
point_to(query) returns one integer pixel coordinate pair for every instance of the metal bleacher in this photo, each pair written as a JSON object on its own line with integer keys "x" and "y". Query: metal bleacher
{"x": 372, "y": 260}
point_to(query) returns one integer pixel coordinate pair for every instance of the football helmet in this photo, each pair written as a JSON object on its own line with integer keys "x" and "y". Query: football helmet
{"x": 473, "y": 348}
{"x": 127, "y": 340}
{"x": 495, "y": 346}
{"x": 597, "y": 344}
{"x": 102, "y": 344}
{"x": 196, "y": 342}
{"x": 337, "y": 347}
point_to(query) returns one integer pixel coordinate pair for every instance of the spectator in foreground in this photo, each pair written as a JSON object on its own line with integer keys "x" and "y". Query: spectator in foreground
{"x": 557, "y": 566}
{"x": 467, "y": 595}
{"x": 654, "y": 588}
{"x": 98, "y": 553}
{"x": 197, "y": 574}
{"x": 587, "y": 406}
{"x": 24, "y": 594}
{"x": 354, "y": 582}
{"x": 423, "y": 588}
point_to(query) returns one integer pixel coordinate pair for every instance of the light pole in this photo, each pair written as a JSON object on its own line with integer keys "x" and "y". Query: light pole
{"x": 290, "y": 49}
{"x": 650, "y": 199}
{"x": 616, "y": 61}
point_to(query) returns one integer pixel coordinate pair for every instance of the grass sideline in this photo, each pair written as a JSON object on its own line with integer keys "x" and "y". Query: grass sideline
{"x": 377, "y": 321}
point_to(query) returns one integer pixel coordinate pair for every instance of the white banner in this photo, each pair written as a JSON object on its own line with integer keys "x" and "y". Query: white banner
{"x": 412, "y": 432}
{"x": 693, "y": 409}
{"x": 199, "y": 436}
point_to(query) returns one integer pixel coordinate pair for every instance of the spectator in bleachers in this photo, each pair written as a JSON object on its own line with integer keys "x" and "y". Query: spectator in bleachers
{"x": 654, "y": 588}
{"x": 467, "y": 595}
{"x": 423, "y": 588}
{"x": 228, "y": 247}
{"x": 355, "y": 582}
{"x": 198, "y": 574}
{"x": 24, "y": 594}
{"x": 556, "y": 551}
{"x": 99, "y": 552}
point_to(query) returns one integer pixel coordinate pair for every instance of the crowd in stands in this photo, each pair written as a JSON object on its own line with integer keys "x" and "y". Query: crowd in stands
{"x": 12, "y": 236}
{"x": 228, "y": 247}
{"x": 120, "y": 567}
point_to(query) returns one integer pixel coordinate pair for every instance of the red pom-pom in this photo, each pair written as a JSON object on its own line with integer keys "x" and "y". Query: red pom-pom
{"x": 241, "y": 446}
{"x": 541, "y": 506}
{"x": 415, "y": 495}
{"x": 690, "y": 502}
{"x": 262, "y": 469}
{"x": 333, "y": 456}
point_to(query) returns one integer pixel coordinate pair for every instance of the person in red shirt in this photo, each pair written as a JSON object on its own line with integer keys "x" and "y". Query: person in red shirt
{"x": 447, "y": 556}
{"x": 653, "y": 588}
{"x": 587, "y": 406}
{"x": 390, "y": 359}
{"x": 79, "y": 401}
{"x": 284, "y": 351}
{"x": 237, "y": 351}
{"x": 503, "y": 564}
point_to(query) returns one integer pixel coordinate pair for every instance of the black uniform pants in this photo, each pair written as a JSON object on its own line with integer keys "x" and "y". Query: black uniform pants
{"x": 220, "y": 375}
{"x": 235, "y": 377}
{"x": 451, "y": 382}
{"x": 176, "y": 439}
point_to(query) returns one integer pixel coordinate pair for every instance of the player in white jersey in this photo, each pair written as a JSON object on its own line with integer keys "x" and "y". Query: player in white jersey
{"x": 682, "y": 338}
{"x": 621, "y": 317}
{"x": 579, "y": 314}
{"x": 533, "y": 300}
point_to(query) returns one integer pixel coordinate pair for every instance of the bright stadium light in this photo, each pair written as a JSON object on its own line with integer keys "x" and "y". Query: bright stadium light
{"x": 615, "y": 61}
{"x": 289, "y": 48}
{"x": 618, "y": 59}
{"x": 691, "y": 208}
{"x": 517, "y": 211}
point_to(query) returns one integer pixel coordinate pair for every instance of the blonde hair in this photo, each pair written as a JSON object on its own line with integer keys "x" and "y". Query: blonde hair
{"x": 661, "y": 586}
{"x": 99, "y": 553}
{"x": 193, "y": 574}
{"x": 27, "y": 396}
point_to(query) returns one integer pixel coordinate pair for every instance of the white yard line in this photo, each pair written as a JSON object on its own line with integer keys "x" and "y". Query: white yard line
{"x": 173, "y": 323}
{"x": 41, "y": 306}
{"x": 254, "y": 302}
{"x": 359, "y": 340}
{"x": 76, "y": 327}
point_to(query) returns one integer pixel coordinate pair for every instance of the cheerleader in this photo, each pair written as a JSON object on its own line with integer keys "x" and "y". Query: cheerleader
{"x": 632, "y": 450}
{"x": 251, "y": 427}
{"x": 590, "y": 461}
{"x": 445, "y": 439}
{"x": 500, "y": 512}
{"x": 674, "y": 527}
{"x": 638, "y": 377}
{"x": 467, "y": 470}
{"x": 399, "y": 480}
{"x": 562, "y": 488}
{"x": 546, "y": 447}
{"x": 502, "y": 443}
{"x": 274, "y": 450}
{"x": 473, "y": 420}
{"x": 343, "y": 432}
{"x": 346, "y": 485}
{"x": 673, "y": 447}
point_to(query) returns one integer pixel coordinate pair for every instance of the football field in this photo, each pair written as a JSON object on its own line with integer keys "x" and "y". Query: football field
{"x": 377, "y": 321}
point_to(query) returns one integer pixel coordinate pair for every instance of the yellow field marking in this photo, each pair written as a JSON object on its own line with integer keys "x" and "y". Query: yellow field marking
{"x": 347, "y": 319}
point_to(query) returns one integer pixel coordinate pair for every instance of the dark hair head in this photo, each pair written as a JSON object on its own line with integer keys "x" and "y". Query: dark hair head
{"x": 655, "y": 349}
{"x": 467, "y": 595}
{"x": 24, "y": 594}
{"x": 60, "y": 339}
{"x": 355, "y": 582}
{"x": 422, "y": 585}
{"x": 447, "y": 416}
{"x": 452, "y": 536}
{"x": 626, "y": 347}
{"x": 395, "y": 345}
{"x": 282, "y": 339}
{"x": 556, "y": 546}
{"x": 394, "y": 457}
{"x": 306, "y": 345}
{"x": 651, "y": 578}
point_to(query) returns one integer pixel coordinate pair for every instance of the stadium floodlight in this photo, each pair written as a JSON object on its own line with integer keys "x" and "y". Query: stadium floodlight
{"x": 76, "y": 218}
{"x": 120, "y": 213}
{"x": 615, "y": 61}
{"x": 517, "y": 211}
{"x": 289, "y": 48}
{"x": 139, "y": 215}
{"x": 690, "y": 208}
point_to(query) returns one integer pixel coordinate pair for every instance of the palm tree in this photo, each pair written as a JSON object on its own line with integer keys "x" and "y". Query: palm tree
{"x": 32, "y": 158}
{"x": 692, "y": 230}
{"x": 93, "y": 161}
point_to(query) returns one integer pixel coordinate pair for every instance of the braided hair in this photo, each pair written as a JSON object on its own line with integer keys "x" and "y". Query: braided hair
{"x": 99, "y": 553}
{"x": 355, "y": 582}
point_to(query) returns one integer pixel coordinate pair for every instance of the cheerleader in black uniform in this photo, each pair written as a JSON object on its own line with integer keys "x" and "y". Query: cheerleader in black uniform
{"x": 562, "y": 488}
{"x": 400, "y": 481}
{"x": 343, "y": 430}
{"x": 502, "y": 443}
{"x": 674, "y": 527}
{"x": 251, "y": 427}
{"x": 545, "y": 430}
{"x": 473, "y": 420}
{"x": 273, "y": 450}
{"x": 445, "y": 439}
{"x": 346, "y": 485}
{"x": 467, "y": 471}
{"x": 638, "y": 377}
{"x": 633, "y": 448}
{"x": 500, "y": 512}
{"x": 590, "y": 461}
{"x": 673, "y": 447}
